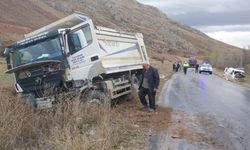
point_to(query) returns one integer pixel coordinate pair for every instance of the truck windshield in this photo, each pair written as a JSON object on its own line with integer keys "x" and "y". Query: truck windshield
{"x": 47, "y": 49}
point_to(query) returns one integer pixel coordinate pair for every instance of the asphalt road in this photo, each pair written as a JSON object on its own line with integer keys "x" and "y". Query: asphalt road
{"x": 214, "y": 107}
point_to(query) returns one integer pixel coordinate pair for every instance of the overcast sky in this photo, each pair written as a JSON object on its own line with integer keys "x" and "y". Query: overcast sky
{"x": 224, "y": 20}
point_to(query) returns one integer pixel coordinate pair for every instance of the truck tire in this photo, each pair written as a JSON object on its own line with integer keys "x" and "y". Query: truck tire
{"x": 210, "y": 73}
{"x": 96, "y": 97}
{"x": 135, "y": 82}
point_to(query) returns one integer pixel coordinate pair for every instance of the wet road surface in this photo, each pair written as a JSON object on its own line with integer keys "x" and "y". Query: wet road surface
{"x": 210, "y": 113}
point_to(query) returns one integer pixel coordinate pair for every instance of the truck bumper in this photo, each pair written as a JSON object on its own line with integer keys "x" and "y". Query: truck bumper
{"x": 39, "y": 103}
{"x": 44, "y": 103}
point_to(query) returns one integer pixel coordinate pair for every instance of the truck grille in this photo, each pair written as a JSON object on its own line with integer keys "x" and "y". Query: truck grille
{"x": 40, "y": 81}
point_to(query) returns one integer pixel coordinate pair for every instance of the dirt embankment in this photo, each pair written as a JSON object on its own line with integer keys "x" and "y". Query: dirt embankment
{"x": 9, "y": 28}
{"x": 142, "y": 118}
{"x": 10, "y": 33}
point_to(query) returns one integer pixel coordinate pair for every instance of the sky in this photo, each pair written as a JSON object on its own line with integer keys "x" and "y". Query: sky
{"x": 224, "y": 20}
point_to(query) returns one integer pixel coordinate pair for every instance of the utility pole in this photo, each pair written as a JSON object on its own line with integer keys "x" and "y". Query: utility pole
{"x": 241, "y": 58}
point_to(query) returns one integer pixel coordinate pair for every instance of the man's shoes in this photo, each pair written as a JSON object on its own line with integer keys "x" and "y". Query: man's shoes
{"x": 143, "y": 106}
{"x": 151, "y": 110}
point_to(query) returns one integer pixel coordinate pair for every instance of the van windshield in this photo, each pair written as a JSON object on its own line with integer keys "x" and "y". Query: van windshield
{"x": 47, "y": 49}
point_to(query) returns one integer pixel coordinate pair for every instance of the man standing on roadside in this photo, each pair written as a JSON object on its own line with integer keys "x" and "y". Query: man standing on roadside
{"x": 148, "y": 86}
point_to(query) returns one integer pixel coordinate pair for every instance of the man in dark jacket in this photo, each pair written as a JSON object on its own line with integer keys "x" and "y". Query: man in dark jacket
{"x": 174, "y": 66}
{"x": 177, "y": 67}
{"x": 148, "y": 86}
{"x": 197, "y": 68}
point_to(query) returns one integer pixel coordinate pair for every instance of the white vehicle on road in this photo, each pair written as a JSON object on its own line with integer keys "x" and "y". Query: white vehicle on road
{"x": 206, "y": 68}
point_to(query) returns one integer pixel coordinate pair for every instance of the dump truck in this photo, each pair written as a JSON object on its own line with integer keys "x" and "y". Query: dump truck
{"x": 72, "y": 54}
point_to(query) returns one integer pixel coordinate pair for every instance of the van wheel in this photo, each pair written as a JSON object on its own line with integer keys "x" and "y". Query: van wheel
{"x": 211, "y": 73}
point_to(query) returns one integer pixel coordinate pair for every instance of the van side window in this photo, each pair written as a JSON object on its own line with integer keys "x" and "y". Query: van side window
{"x": 79, "y": 39}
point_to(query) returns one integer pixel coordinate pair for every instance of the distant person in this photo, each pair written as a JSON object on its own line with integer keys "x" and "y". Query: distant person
{"x": 180, "y": 68}
{"x": 185, "y": 67}
{"x": 197, "y": 67}
{"x": 177, "y": 67}
{"x": 148, "y": 86}
{"x": 174, "y": 66}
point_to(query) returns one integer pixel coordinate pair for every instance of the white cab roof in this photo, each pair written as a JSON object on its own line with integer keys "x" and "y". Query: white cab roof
{"x": 66, "y": 22}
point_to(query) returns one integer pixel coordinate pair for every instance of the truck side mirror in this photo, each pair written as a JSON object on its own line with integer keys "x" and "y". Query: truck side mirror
{"x": 7, "y": 57}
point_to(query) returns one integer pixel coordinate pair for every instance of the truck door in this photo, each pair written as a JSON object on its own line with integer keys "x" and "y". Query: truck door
{"x": 82, "y": 50}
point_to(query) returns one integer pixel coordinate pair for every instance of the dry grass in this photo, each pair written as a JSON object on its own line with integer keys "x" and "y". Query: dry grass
{"x": 76, "y": 125}
{"x": 4, "y": 78}
{"x": 69, "y": 125}
{"x": 247, "y": 81}
{"x": 72, "y": 124}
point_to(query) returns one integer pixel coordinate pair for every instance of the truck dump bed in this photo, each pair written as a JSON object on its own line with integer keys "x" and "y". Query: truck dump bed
{"x": 121, "y": 51}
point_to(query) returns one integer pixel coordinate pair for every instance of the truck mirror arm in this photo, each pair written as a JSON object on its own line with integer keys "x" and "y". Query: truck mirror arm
{"x": 68, "y": 54}
{"x": 67, "y": 31}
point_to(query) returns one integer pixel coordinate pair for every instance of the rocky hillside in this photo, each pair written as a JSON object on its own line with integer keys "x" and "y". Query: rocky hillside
{"x": 162, "y": 35}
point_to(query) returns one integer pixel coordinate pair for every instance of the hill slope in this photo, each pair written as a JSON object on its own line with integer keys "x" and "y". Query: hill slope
{"x": 161, "y": 34}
